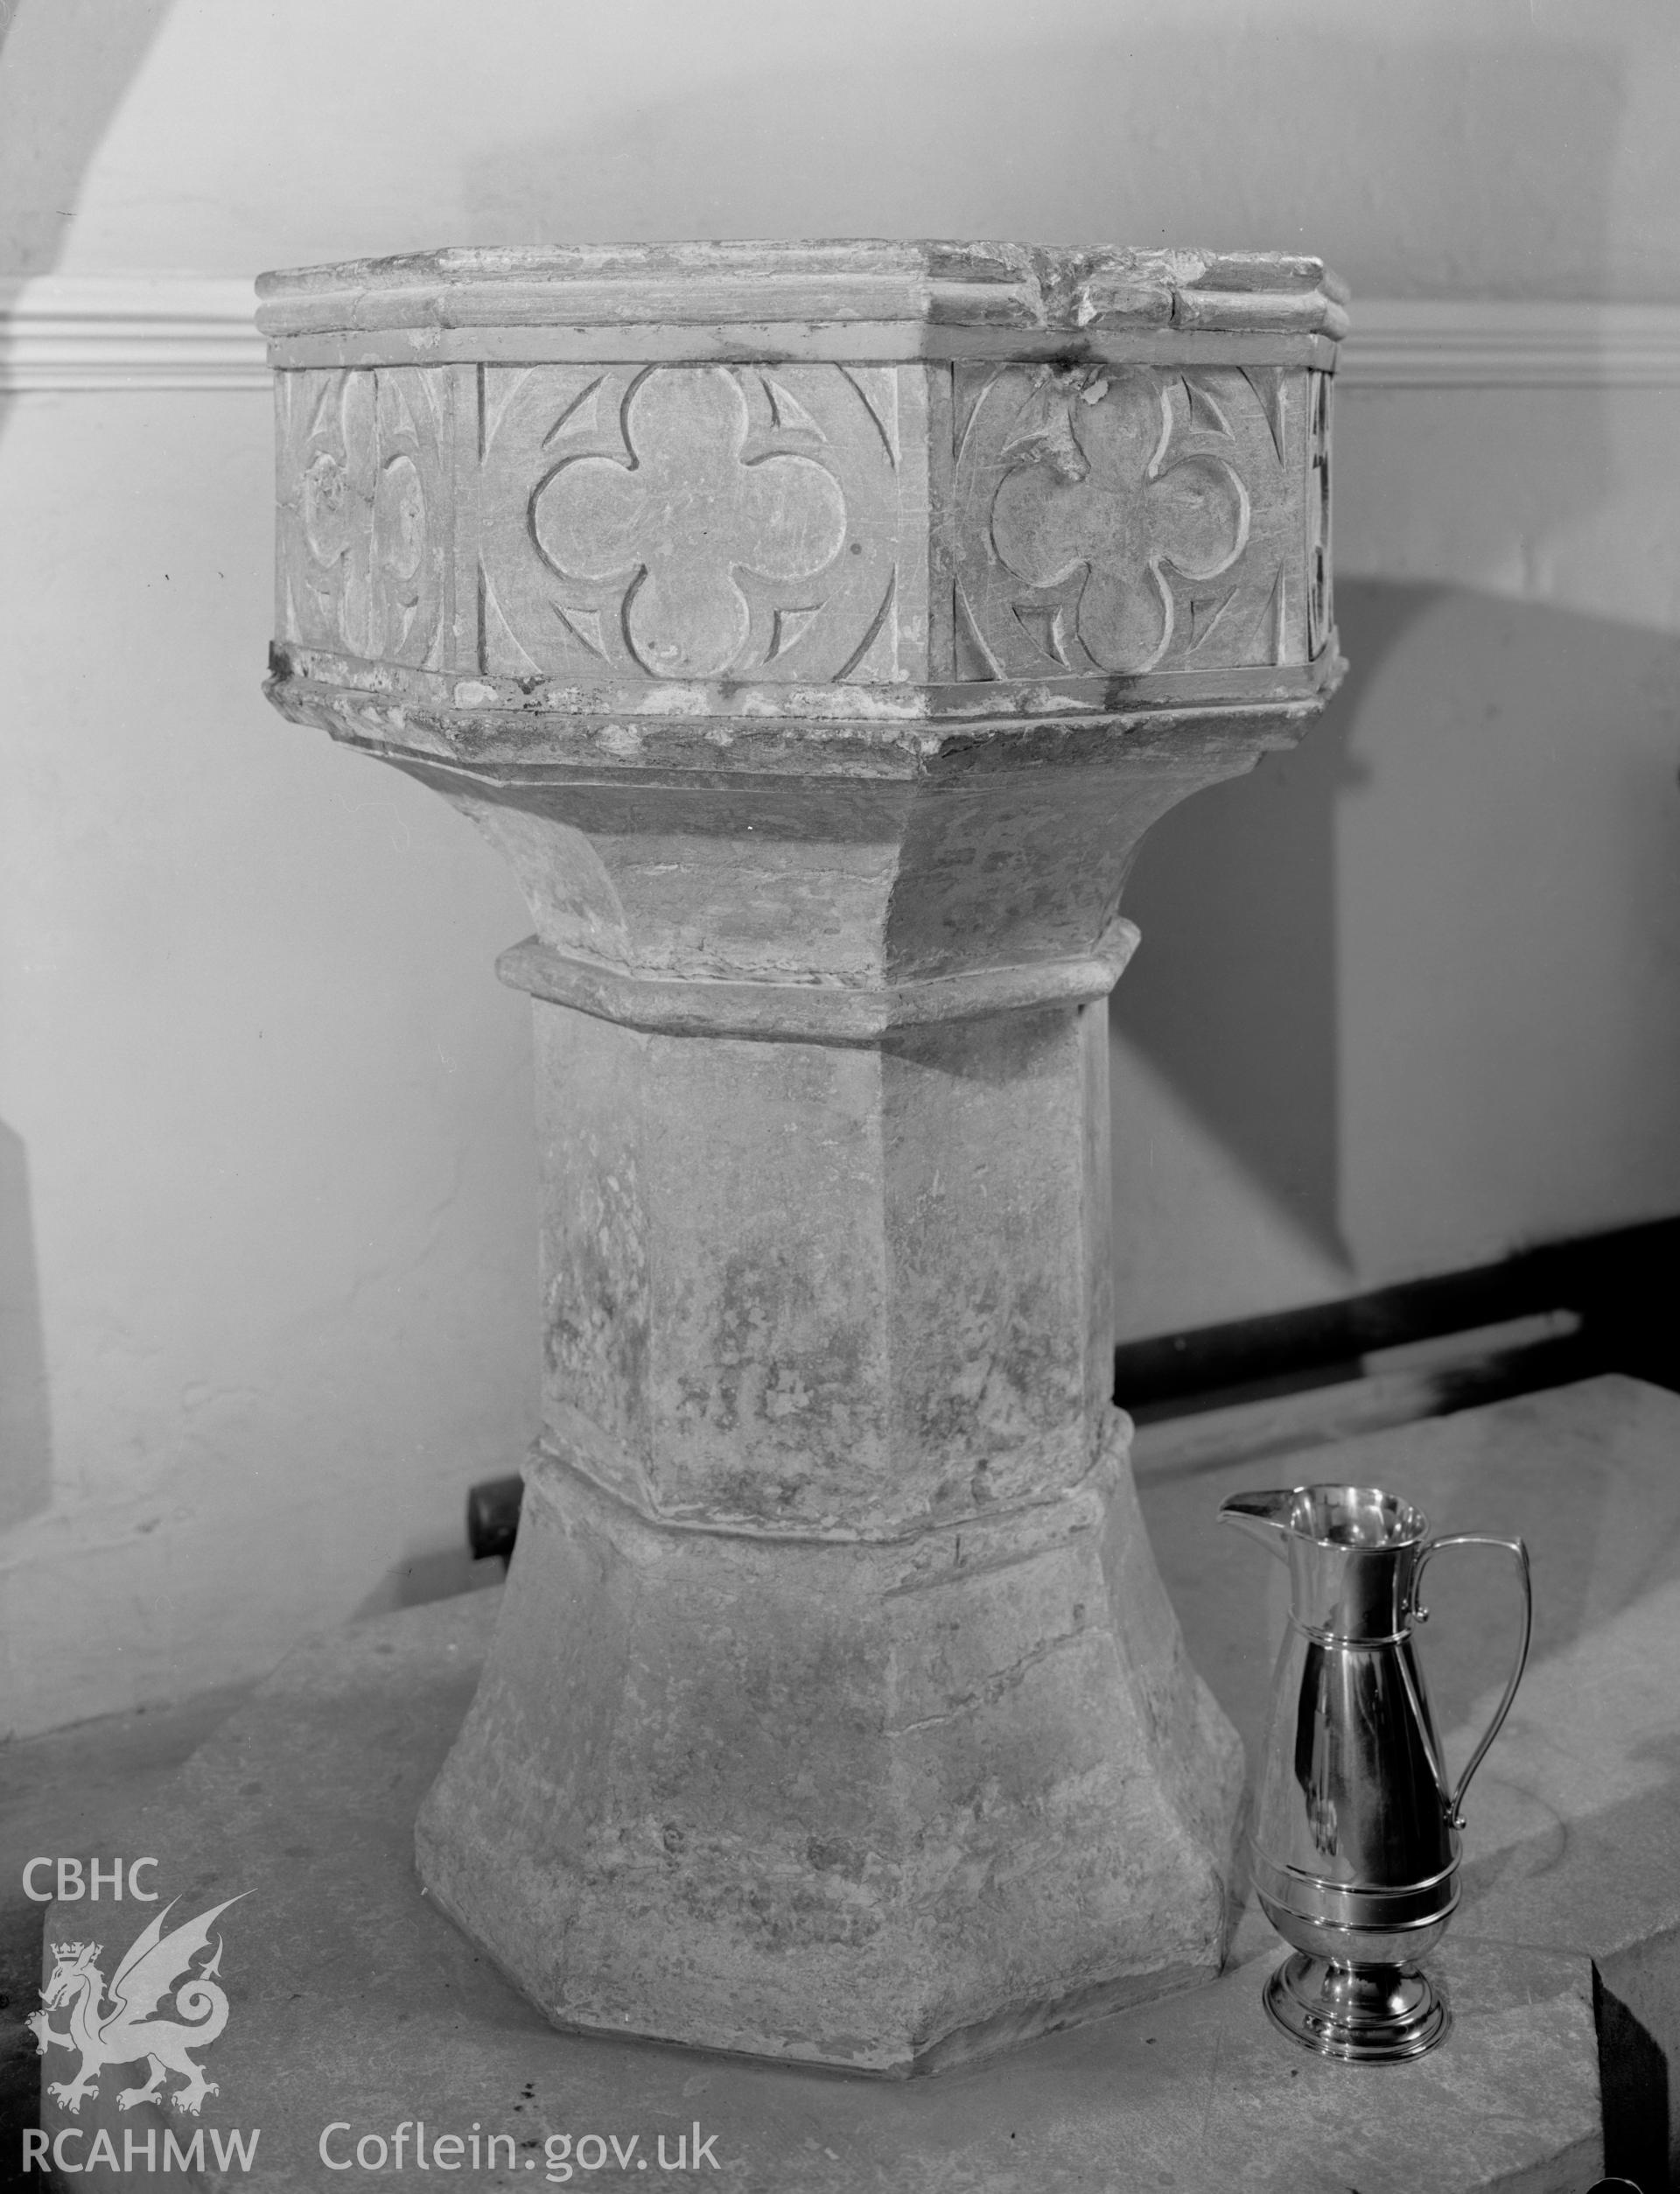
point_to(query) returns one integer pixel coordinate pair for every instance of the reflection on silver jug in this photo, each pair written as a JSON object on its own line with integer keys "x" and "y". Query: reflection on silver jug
{"x": 1356, "y": 1836}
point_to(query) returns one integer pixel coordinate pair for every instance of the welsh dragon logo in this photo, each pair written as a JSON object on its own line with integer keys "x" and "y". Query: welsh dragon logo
{"x": 155, "y": 1964}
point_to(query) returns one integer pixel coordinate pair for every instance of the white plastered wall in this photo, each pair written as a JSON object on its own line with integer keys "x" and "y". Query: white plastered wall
{"x": 1408, "y": 998}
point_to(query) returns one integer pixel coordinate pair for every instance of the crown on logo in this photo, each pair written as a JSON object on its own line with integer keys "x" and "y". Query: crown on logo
{"x": 75, "y": 1950}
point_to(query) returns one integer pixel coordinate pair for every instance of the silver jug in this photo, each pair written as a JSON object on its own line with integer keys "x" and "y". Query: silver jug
{"x": 1356, "y": 1828}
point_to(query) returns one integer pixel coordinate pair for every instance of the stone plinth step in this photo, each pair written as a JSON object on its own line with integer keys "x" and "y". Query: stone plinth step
{"x": 354, "y": 2005}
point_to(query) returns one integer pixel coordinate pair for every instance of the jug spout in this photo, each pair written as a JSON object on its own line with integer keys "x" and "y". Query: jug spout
{"x": 1267, "y": 1516}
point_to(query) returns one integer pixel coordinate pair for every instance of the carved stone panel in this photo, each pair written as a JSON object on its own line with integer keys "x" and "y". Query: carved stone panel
{"x": 689, "y": 522}
{"x": 363, "y": 520}
{"x": 1319, "y": 613}
{"x": 1125, "y": 519}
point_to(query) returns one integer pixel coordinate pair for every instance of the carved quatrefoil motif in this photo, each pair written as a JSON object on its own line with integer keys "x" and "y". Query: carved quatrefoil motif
{"x": 359, "y": 569}
{"x": 690, "y": 510}
{"x": 690, "y": 522}
{"x": 1123, "y": 519}
{"x": 1107, "y": 503}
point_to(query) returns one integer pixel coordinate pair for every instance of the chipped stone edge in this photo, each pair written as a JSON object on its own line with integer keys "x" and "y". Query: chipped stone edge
{"x": 1020, "y": 288}
{"x": 495, "y": 725}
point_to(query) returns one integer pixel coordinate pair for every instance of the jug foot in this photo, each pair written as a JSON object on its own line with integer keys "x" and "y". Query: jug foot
{"x": 1366, "y": 2014}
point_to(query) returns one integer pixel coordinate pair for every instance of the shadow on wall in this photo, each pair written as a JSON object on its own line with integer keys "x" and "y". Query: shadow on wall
{"x": 1480, "y": 162}
{"x": 65, "y": 66}
{"x": 1421, "y": 977}
{"x": 1232, "y": 995}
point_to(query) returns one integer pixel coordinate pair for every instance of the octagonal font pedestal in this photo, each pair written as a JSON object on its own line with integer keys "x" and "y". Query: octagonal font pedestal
{"x": 817, "y": 630}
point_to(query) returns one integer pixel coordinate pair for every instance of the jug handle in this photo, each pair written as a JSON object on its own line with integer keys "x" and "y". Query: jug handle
{"x": 1519, "y": 1553}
